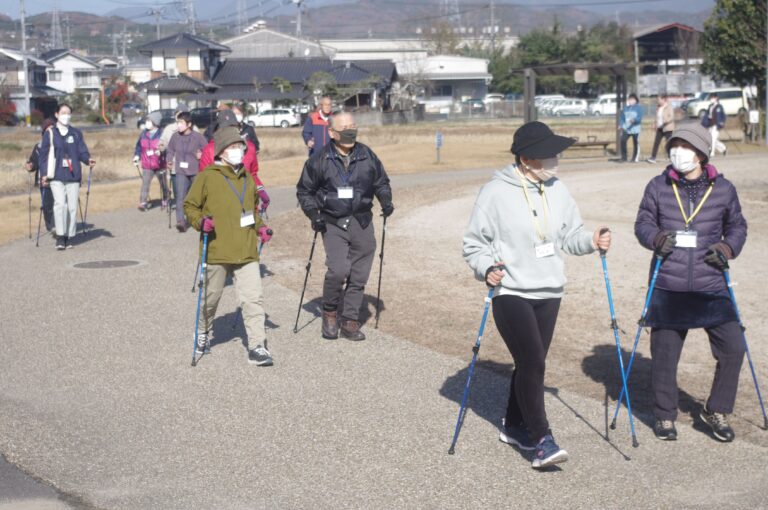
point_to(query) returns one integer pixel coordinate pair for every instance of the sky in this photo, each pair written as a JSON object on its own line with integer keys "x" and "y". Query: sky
{"x": 11, "y": 7}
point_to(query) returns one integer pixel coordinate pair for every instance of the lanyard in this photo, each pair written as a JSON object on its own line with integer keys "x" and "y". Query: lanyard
{"x": 240, "y": 196}
{"x": 687, "y": 219}
{"x": 344, "y": 176}
{"x": 534, "y": 216}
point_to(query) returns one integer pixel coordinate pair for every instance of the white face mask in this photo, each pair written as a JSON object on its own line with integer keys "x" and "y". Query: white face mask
{"x": 64, "y": 119}
{"x": 547, "y": 171}
{"x": 239, "y": 117}
{"x": 149, "y": 125}
{"x": 683, "y": 160}
{"x": 234, "y": 156}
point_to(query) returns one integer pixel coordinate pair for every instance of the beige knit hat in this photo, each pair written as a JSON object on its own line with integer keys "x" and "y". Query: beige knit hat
{"x": 695, "y": 134}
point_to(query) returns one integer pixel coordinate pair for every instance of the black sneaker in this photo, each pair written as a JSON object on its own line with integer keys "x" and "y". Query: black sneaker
{"x": 516, "y": 436}
{"x": 260, "y": 356}
{"x": 665, "y": 430}
{"x": 719, "y": 424}
{"x": 548, "y": 453}
{"x": 60, "y": 243}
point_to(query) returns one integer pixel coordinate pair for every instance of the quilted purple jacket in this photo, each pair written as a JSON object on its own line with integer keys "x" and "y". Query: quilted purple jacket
{"x": 720, "y": 219}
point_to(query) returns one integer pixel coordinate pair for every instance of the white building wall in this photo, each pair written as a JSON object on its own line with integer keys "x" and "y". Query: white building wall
{"x": 67, "y": 66}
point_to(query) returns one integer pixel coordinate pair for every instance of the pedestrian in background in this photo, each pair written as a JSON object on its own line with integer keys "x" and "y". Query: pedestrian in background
{"x": 315, "y": 131}
{"x": 521, "y": 222}
{"x": 152, "y": 159}
{"x": 665, "y": 124}
{"x": 336, "y": 191}
{"x": 714, "y": 120}
{"x": 223, "y": 202}
{"x": 246, "y": 130}
{"x": 62, "y": 154}
{"x": 165, "y": 139}
{"x": 183, "y": 155}
{"x": 40, "y": 181}
{"x": 630, "y": 125}
{"x": 691, "y": 216}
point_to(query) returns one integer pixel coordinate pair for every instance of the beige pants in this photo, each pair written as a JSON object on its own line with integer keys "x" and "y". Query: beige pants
{"x": 247, "y": 278}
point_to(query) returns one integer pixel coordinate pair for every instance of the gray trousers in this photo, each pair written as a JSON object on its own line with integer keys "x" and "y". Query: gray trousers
{"x": 727, "y": 346}
{"x": 65, "y": 200}
{"x": 146, "y": 180}
{"x": 183, "y": 183}
{"x": 349, "y": 257}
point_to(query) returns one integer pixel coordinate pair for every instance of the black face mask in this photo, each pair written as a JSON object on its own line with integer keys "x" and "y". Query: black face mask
{"x": 347, "y": 136}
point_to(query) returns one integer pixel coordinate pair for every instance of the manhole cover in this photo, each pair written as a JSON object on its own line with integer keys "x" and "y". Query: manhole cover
{"x": 106, "y": 264}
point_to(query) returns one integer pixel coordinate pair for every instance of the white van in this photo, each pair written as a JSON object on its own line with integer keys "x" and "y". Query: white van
{"x": 604, "y": 105}
{"x": 733, "y": 99}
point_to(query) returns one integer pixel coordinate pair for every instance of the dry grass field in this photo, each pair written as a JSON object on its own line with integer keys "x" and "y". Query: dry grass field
{"x": 403, "y": 149}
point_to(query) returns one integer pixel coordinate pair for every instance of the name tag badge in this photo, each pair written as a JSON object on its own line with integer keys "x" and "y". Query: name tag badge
{"x": 67, "y": 163}
{"x": 246, "y": 219}
{"x": 150, "y": 152}
{"x": 544, "y": 250}
{"x": 346, "y": 192}
{"x": 70, "y": 139}
{"x": 686, "y": 239}
{"x": 183, "y": 164}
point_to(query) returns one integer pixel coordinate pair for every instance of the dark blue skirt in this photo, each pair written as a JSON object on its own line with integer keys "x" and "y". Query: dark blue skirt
{"x": 689, "y": 310}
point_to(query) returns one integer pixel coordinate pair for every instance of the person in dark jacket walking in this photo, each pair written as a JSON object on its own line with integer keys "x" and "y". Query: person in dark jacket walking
{"x": 62, "y": 152}
{"x": 630, "y": 125}
{"x": 33, "y": 166}
{"x": 336, "y": 191}
{"x": 183, "y": 154}
{"x": 714, "y": 120}
{"x": 315, "y": 132}
{"x": 691, "y": 216}
{"x": 149, "y": 151}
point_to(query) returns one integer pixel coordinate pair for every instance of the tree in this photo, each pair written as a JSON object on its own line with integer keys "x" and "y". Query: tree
{"x": 440, "y": 39}
{"x": 734, "y": 43}
{"x": 321, "y": 83}
{"x": 282, "y": 84}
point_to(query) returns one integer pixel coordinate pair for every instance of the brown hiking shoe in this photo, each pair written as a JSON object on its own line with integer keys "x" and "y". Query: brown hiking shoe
{"x": 351, "y": 330}
{"x": 330, "y": 325}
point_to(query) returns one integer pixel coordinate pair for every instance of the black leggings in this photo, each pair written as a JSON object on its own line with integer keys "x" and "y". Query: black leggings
{"x": 527, "y": 325}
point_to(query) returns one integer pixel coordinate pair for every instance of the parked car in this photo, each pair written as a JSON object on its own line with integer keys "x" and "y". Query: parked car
{"x": 473, "y": 106}
{"x": 570, "y": 107}
{"x": 545, "y": 107}
{"x": 604, "y": 105}
{"x": 167, "y": 118}
{"x": 493, "y": 98}
{"x": 203, "y": 117}
{"x": 540, "y": 99}
{"x": 275, "y": 117}
{"x": 133, "y": 109}
{"x": 733, "y": 99}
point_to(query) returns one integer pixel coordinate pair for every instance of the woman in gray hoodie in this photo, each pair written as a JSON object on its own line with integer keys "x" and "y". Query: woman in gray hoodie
{"x": 522, "y": 220}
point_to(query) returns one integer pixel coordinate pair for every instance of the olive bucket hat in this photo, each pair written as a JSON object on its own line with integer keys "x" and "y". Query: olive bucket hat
{"x": 535, "y": 140}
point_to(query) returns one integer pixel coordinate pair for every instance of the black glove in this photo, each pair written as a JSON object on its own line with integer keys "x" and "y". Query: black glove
{"x": 318, "y": 224}
{"x": 717, "y": 255}
{"x": 387, "y": 210}
{"x": 665, "y": 242}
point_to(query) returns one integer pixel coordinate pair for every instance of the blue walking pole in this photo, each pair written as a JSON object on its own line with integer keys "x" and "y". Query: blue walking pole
{"x": 615, "y": 327}
{"x": 640, "y": 326}
{"x": 475, "y": 350}
{"x": 746, "y": 346}
{"x": 203, "y": 264}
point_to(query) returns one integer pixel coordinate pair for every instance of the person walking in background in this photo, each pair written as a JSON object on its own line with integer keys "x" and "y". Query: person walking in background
{"x": 165, "y": 139}
{"x": 152, "y": 159}
{"x": 691, "y": 216}
{"x": 246, "y": 130}
{"x": 315, "y": 131}
{"x": 715, "y": 121}
{"x": 665, "y": 124}
{"x": 33, "y": 166}
{"x": 630, "y": 125}
{"x": 336, "y": 191}
{"x": 223, "y": 203}
{"x": 226, "y": 118}
{"x": 183, "y": 155}
{"x": 522, "y": 220}
{"x": 62, "y": 154}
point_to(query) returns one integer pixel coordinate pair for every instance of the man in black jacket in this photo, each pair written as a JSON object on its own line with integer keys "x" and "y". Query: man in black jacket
{"x": 336, "y": 191}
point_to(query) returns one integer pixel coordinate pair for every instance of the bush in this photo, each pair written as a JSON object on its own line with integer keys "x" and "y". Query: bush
{"x": 94, "y": 118}
{"x": 36, "y": 117}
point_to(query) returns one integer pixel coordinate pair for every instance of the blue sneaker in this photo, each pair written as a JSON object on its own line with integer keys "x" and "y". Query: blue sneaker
{"x": 548, "y": 453}
{"x": 516, "y": 436}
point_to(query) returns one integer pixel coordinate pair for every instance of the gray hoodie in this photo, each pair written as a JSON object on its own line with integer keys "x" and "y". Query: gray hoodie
{"x": 502, "y": 229}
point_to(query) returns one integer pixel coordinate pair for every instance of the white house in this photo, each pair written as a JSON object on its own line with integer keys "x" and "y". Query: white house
{"x": 73, "y": 73}
{"x": 440, "y": 81}
{"x": 12, "y": 78}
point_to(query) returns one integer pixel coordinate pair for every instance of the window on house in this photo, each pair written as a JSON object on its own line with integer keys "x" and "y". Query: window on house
{"x": 443, "y": 90}
{"x": 170, "y": 63}
{"x": 54, "y": 75}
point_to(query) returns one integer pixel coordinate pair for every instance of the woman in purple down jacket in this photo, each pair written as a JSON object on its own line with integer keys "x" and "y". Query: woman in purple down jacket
{"x": 690, "y": 215}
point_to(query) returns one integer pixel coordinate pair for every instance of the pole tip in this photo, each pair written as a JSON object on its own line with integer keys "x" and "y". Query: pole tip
{"x": 613, "y": 425}
{"x": 635, "y": 444}
{"x": 451, "y": 451}
{"x": 194, "y": 363}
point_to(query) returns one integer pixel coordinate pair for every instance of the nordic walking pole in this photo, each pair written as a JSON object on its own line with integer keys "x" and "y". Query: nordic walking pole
{"x": 615, "y": 327}
{"x": 381, "y": 266}
{"x": 141, "y": 178}
{"x": 640, "y": 326}
{"x": 306, "y": 277}
{"x": 475, "y": 350}
{"x": 39, "y": 224}
{"x": 87, "y": 195}
{"x": 203, "y": 258}
{"x": 29, "y": 187}
{"x": 169, "y": 191}
{"x": 746, "y": 345}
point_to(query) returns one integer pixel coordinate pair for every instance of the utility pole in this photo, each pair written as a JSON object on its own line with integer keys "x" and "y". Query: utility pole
{"x": 191, "y": 21}
{"x": 157, "y": 13}
{"x": 56, "y": 39}
{"x": 114, "y": 44}
{"x": 493, "y": 28}
{"x": 125, "y": 37}
{"x": 242, "y": 21}
{"x": 24, "y": 60}
{"x": 69, "y": 31}
{"x": 298, "y": 16}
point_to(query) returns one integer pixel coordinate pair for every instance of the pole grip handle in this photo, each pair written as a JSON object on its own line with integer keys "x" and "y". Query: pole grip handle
{"x": 603, "y": 231}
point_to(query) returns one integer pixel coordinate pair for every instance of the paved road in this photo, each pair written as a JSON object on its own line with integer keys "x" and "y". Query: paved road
{"x": 99, "y": 400}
